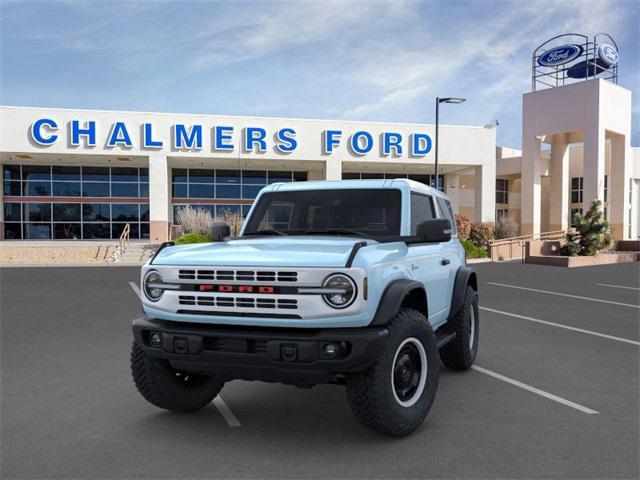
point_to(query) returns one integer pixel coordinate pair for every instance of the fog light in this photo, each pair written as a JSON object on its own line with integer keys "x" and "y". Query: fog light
{"x": 155, "y": 340}
{"x": 330, "y": 350}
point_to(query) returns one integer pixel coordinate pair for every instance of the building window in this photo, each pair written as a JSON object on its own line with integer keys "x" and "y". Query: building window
{"x": 606, "y": 187}
{"x": 502, "y": 190}
{"x": 65, "y": 214}
{"x": 576, "y": 190}
{"x": 427, "y": 179}
{"x": 208, "y": 188}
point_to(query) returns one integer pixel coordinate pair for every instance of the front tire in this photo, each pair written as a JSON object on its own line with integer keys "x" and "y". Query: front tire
{"x": 461, "y": 352}
{"x": 163, "y": 386}
{"x": 395, "y": 395}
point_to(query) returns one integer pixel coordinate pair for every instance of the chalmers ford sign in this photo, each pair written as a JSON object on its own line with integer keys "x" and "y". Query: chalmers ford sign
{"x": 45, "y": 132}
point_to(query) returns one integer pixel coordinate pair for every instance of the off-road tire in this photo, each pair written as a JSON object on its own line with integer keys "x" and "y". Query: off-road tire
{"x": 458, "y": 354}
{"x": 166, "y": 388}
{"x": 371, "y": 393}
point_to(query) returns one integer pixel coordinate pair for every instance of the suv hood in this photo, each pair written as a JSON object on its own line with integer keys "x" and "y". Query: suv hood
{"x": 294, "y": 251}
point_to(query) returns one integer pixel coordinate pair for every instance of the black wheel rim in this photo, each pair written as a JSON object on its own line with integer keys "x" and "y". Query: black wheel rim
{"x": 406, "y": 372}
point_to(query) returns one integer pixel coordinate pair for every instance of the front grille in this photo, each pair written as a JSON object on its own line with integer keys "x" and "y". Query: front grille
{"x": 238, "y": 302}
{"x": 238, "y": 275}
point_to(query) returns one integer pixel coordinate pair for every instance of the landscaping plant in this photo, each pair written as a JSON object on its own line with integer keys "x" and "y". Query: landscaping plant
{"x": 591, "y": 233}
{"x": 505, "y": 227}
{"x": 481, "y": 234}
{"x": 194, "y": 220}
{"x": 463, "y": 226}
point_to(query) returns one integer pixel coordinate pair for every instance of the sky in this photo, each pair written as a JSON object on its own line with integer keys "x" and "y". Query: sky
{"x": 344, "y": 60}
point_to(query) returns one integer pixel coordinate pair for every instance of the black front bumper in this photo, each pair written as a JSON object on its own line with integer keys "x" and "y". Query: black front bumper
{"x": 294, "y": 356}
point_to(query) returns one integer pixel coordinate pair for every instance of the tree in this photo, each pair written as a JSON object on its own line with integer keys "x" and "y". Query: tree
{"x": 591, "y": 235}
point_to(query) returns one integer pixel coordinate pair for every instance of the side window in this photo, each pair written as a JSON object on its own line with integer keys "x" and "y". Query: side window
{"x": 447, "y": 212}
{"x": 421, "y": 210}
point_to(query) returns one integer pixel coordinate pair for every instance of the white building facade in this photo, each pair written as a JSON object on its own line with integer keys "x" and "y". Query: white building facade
{"x": 85, "y": 174}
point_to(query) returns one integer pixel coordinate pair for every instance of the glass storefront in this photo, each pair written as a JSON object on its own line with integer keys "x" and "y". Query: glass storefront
{"x": 426, "y": 179}
{"x": 114, "y": 197}
{"x": 211, "y": 189}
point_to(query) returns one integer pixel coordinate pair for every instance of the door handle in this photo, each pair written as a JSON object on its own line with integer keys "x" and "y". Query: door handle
{"x": 445, "y": 261}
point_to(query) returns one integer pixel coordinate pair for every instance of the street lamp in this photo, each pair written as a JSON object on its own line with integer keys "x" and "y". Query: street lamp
{"x": 438, "y": 102}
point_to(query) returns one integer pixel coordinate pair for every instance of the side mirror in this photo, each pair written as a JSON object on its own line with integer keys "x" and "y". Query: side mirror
{"x": 435, "y": 231}
{"x": 219, "y": 231}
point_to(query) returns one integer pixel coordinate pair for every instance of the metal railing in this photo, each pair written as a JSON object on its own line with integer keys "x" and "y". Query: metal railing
{"x": 514, "y": 247}
{"x": 123, "y": 244}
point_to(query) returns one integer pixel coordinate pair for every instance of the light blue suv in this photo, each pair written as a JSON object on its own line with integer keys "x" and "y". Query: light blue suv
{"x": 358, "y": 283}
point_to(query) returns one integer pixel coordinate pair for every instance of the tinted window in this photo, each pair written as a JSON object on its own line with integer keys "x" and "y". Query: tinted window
{"x": 66, "y": 212}
{"x": 66, "y": 189}
{"x": 445, "y": 209}
{"x": 421, "y": 210}
{"x": 66, "y": 173}
{"x": 373, "y": 212}
{"x": 96, "y": 212}
{"x": 100, "y": 174}
{"x": 33, "y": 172}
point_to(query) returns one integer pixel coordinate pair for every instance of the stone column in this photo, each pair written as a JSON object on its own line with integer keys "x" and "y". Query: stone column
{"x": 593, "y": 167}
{"x": 159, "y": 197}
{"x": 485, "y": 192}
{"x": 559, "y": 205}
{"x": 531, "y": 186}
{"x": 618, "y": 188}
{"x": 332, "y": 169}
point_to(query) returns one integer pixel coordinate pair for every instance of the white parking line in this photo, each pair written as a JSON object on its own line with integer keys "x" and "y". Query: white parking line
{"x": 617, "y": 286}
{"x": 545, "y": 322}
{"x": 535, "y": 390}
{"x": 565, "y": 295}
{"x": 135, "y": 289}
{"x": 227, "y": 414}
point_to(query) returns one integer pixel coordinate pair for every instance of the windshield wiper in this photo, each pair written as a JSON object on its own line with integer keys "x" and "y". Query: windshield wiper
{"x": 338, "y": 231}
{"x": 266, "y": 231}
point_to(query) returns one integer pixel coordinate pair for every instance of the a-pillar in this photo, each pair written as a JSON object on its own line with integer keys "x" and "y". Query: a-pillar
{"x": 618, "y": 188}
{"x": 559, "y": 207}
{"x": 531, "y": 186}
{"x": 159, "y": 198}
{"x": 332, "y": 169}
{"x": 485, "y": 192}
{"x": 593, "y": 167}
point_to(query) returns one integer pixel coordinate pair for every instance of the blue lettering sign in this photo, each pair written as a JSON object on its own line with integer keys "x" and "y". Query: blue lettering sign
{"x": 186, "y": 139}
{"x": 391, "y": 140}
{"x": 119, "y": 136}
{"x": 89, "y": 131}
{"x": 147, "y": 137}
{"x": 560, "y": 55}
{"x": 255, "y": 136}
{"x": 331, "y": 140}
{"x": 420, "y": 144}
{"x": 222, "y": 137}
{"x": 357, "y": 146}
{"x": 286, "y": 140}
{"x": 608, "y": 54}
{"x": 37, "y": 134}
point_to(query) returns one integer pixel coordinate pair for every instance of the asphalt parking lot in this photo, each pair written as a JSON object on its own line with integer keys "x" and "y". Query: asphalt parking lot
{"x": 555, "y": 393}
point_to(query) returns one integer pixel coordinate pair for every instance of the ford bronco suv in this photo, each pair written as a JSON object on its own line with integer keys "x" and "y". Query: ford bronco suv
{"x": 357, "y": 283}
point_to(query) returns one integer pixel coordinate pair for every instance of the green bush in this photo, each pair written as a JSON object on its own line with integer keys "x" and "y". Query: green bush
{"x": 473, "y": 251}
{"x": 192, "y": 238}
{"x": 591, "y": 235}
{"x": 481, "y": 234}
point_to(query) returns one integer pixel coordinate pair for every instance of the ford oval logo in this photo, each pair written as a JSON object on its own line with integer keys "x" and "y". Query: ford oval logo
{"x": 560, "y": 55}
{"x": 608, "y": 54}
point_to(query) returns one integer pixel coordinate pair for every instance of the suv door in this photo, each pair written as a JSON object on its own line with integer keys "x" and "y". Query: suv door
{"x": 425, "y": 262}
{"x": 452, "y": 250}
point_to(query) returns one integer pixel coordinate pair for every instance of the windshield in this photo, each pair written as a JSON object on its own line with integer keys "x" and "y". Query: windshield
{"x": 354, "y": 212}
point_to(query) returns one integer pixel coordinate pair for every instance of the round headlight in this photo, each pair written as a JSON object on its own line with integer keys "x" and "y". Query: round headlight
{"x": 152, "y": 288}
{"x": 340, "y": 291}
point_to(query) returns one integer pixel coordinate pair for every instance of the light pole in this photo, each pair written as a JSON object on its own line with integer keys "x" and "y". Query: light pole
{"x": 438, "y": 102}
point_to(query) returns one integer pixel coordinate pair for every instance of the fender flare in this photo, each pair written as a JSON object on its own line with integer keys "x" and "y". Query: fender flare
{"x": 394, "y": 295}
{"x": 465, "y": 276}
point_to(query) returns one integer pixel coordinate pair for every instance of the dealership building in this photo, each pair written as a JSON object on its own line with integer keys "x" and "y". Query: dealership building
{"x": 86, "y": 174}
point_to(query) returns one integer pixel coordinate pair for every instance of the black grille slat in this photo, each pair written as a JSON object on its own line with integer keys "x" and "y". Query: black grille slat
{"x": 238, "y": 302}
{"x": 238, "y": 275}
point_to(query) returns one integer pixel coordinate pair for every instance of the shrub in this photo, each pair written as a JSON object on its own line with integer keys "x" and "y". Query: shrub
{"x": 505, "y": 227}
{"x": 591, "y": 233}
{"x": 463, "y": 225}
{"x": 192, "y": 238}
{"x": 481, "y": 234}
{"x": 472, "y": 251}
{"x": 233, "y": 219}
{"x": 194, "y": 220}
